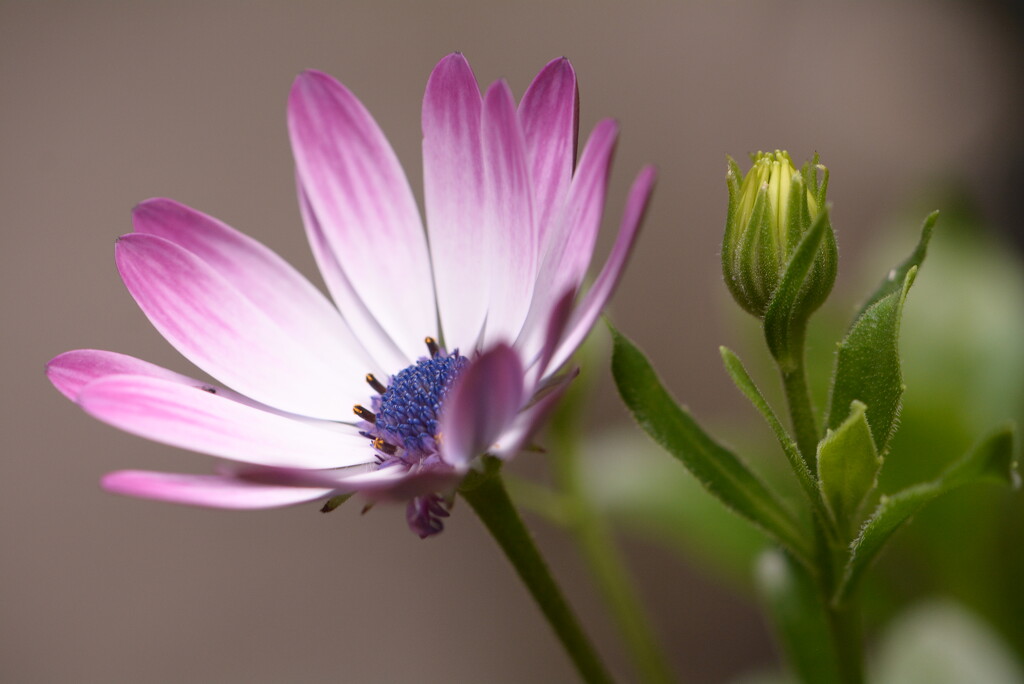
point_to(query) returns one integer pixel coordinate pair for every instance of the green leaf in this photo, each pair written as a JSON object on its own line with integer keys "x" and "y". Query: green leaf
{"x": 785, "y": 319}
{"x": 992, "y": 459}
{"x": 798, "y": 615}
{"x": 868, "y": 367}
{"x": 717, "y": 468}
{"x": 746, "y": 385}
{"x": 848, "y": 465}
{"x": 894, "y": 280}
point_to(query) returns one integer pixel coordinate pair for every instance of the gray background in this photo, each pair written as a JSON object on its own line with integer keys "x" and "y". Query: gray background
{"x": 105, "y": 104}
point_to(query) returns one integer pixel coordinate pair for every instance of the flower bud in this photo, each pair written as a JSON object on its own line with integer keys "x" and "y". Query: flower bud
{"x": 770, "y": 210}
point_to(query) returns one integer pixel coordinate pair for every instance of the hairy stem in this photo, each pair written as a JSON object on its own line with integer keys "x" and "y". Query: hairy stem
{"x": 843, "y": 622}
{"x": 798, "y": 397}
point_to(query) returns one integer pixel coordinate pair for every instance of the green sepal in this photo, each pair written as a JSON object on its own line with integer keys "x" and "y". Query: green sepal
{"x": 785, "y": 319}
{"x": 798, "y": 614}
{"x": 991, "y": 460}
{"x": 720, "y": 471}
{"x": 823, "y": 274}
{"x": 868, "y": 367}
{"x": 733, "y": 233}
{"x": 797, "y": 214}
{"x": 848, "y": 465}
{"x": 733, "y": 177}
{"x": 810, "y": 173}
{"x": 757, "y": 261}
{"x": 894, "y": 279}
{"x": 336, "y": 501}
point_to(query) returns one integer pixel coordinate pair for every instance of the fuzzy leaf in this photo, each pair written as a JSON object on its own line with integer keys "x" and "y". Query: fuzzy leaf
{"x": 893, "y": 282}
{"x": 992, "y": 459}
{"x": 868, "y": 367}
{"x": 717, "y": 468}
{"x": 746, "y": 385}
{"x": 848, "y": 466}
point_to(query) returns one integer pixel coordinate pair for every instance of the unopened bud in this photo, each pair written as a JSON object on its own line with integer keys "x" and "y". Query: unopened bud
{"x": 770, "y": 210}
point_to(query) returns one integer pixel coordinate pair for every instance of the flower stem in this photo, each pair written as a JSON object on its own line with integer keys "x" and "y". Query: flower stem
{"x": 843, "y": 621}
{"x": 798, "y": 397}
{"x": 491, "y": 502}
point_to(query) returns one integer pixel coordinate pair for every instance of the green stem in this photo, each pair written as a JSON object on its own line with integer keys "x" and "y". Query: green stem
{"x": 798, "y": 397}
{"x": 843, "y": 622}
{"x": 846, "y": 631}
{"x": 491, "y": 502}
{"x": 598, "y": 549}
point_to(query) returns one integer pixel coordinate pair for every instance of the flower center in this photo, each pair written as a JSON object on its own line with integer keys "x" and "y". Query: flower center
{"x": 404, "y": 423}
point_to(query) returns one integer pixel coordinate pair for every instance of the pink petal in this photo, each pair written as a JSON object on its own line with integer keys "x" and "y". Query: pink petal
{"x": 214, "y": 491}
{"x": 549, "y": 115}
{"x": 481, "y": 405}
{"x": 509, "y": 229}
{"x": 359, "y": 318}
{"x": 292, "y": 477}
{"x": 530, "y": 420}
{"x": 190, "y": 418}
{"x": 603, "y": 287}
{"x": 71, "y": 371}
{"x": 392, "y": 483}
{"x": 569, "y": 245}
{"x": 453, "y": 180}
{"x": 362, "y": 200}
{"x": 234, "y": 338}
{"x": 255, "y": 270}
{"x": 398, "y": 484}
{"x": 553, "y": 333}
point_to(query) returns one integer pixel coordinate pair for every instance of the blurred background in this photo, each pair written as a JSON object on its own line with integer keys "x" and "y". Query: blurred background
{"x": 912, "y": 105}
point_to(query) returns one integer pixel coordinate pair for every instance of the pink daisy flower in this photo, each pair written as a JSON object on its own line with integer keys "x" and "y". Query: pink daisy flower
{"x": 441, "y": 345}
